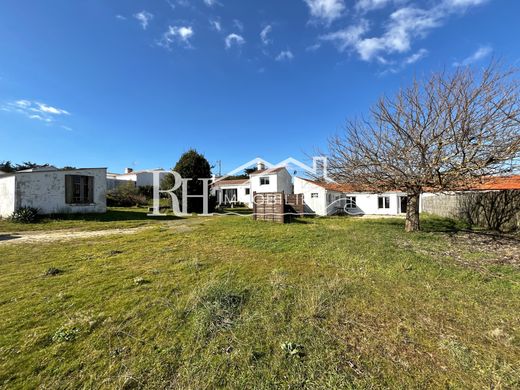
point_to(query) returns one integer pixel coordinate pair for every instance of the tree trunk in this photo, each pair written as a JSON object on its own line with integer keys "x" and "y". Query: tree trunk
{"x": 412, "y": 213}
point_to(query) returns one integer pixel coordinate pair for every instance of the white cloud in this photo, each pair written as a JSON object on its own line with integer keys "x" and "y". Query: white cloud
{"x": 50, "y": 110}
{"x": 238, "y": 24}
{"x": 180, "y": 34}
{"x": 285, "y": 55}
{"x": 326, "y": 10}
{"x": 415, "y": 57}
{"x": 370, "y": 5}
{"x": 348, "y": 37}
{"x": 234, "y": 39}
{"x": 35, "y": 110}
{"x": 481, "y": 53}
{"x": 463, "y": 3}
{"x": 144, "y": 18}
{"x": 402, "y": 28}
{"x": 215, "y": 24}
{"x": 211, "y": 3}
{"x": 264, "y": 35}
{"x": 120, "y": 17}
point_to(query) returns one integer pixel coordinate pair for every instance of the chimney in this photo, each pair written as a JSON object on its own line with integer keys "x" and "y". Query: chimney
{"x": 260, "y": 166}
{"x": 128, "y": 170}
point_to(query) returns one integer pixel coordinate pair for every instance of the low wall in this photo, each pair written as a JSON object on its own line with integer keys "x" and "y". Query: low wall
{"x": 496, "y": 210}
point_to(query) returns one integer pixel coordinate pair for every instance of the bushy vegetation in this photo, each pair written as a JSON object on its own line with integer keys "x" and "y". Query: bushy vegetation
{"x": 126, "y": 195}
{"x": 232, "y": 303}
{"x": 25, "y": 215}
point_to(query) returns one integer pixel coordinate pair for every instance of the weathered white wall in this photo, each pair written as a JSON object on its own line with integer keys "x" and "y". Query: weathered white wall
{"x": 46, "y": 191}
{"x": 7, "y": 195}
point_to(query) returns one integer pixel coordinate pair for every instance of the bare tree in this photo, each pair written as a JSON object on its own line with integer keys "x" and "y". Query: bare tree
{"x": 439, "y": 134}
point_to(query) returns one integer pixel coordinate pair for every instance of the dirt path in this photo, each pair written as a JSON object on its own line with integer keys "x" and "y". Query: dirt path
{"x": 67, "y": 235}
{"x": 62, "y": 235}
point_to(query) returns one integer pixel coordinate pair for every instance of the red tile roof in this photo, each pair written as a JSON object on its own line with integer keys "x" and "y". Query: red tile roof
{"x": 498, "y": 183}
{"x": 485, "y": 184}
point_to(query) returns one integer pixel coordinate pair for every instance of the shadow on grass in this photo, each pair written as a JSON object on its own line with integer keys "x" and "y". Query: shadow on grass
{"x": 442, "y": 225}
{"x": 112, "y": 215}
{"x": 237, "y": 210}
{"x": 7, "y": 237}
{"x": 429, "y": 224}
{"x": 301, "y": 220}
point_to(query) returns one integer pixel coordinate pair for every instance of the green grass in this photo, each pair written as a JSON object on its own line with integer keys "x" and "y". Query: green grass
{"x": 114, "y": 218}
{"x": 233, "y": 303}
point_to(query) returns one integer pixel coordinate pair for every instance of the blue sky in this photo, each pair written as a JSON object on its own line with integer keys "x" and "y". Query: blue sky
{"x": 128, "y": 83}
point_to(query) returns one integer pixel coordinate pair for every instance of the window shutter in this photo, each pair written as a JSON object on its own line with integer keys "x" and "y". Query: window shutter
{"x": 68, "y": 189}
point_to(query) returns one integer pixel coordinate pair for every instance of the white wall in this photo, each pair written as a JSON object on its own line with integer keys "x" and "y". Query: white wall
{"x": 141, "y": 179}
{"x": 242, "y": 197}
{"x": 316, "y": 205}
{"x": 146, "y": 178}
{"x": 46, "y": 191}
{"x": 284, "y": 182}
{"x": 7, "y": 195}
{"x": 278, "y": 182}
{"x": 368, "y": 203}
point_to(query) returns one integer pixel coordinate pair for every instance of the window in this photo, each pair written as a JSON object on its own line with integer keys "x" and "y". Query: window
{"x": 314, "y": 195}
{"x": 383, "y": 202}
{"x": 79, "y": 189}
{"x": 350, "y": 202}
{"x": 248, "y": 191}
{"x": 264, "y": 181}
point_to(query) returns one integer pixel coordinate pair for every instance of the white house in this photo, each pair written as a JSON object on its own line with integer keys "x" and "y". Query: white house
{"x": 260, "y": 181}
{"x": 323, "y": 198}
{"x": 141, "y": 178}
{"x": 53, "y": 190}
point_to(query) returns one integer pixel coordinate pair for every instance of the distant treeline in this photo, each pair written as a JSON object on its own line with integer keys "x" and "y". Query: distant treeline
{"x": 9, "y": 166}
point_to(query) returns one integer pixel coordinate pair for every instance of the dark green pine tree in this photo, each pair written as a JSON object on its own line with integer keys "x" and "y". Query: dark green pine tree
{"x": 195, "y": 166}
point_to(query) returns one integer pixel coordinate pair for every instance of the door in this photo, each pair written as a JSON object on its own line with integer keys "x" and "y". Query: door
{"x": 403, "y": 203}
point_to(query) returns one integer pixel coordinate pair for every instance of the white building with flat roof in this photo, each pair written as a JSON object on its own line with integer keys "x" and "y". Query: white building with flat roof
{"x": 54, "y": 191}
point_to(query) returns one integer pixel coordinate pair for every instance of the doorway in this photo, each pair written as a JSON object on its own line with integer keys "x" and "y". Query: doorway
{"x": 403, "y": 204}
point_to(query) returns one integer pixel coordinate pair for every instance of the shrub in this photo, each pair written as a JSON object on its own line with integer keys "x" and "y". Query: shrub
{"x": 125, "y": 196}
{"x": 65, "y": 334}
{"x": 146, "y": 191}
{"x": 53, "y": 271}
{"x": 25, "y": 215}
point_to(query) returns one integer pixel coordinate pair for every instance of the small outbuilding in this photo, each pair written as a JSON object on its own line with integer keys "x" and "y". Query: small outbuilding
{"x": 52, "y": 190}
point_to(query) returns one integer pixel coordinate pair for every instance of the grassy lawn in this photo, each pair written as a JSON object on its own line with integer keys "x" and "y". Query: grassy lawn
{"x": 233, "y": 303}
{"x": 114, "y": 218}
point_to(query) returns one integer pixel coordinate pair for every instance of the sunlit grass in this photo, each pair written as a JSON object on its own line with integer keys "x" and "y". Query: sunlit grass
{"x": 360, "y": 304}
